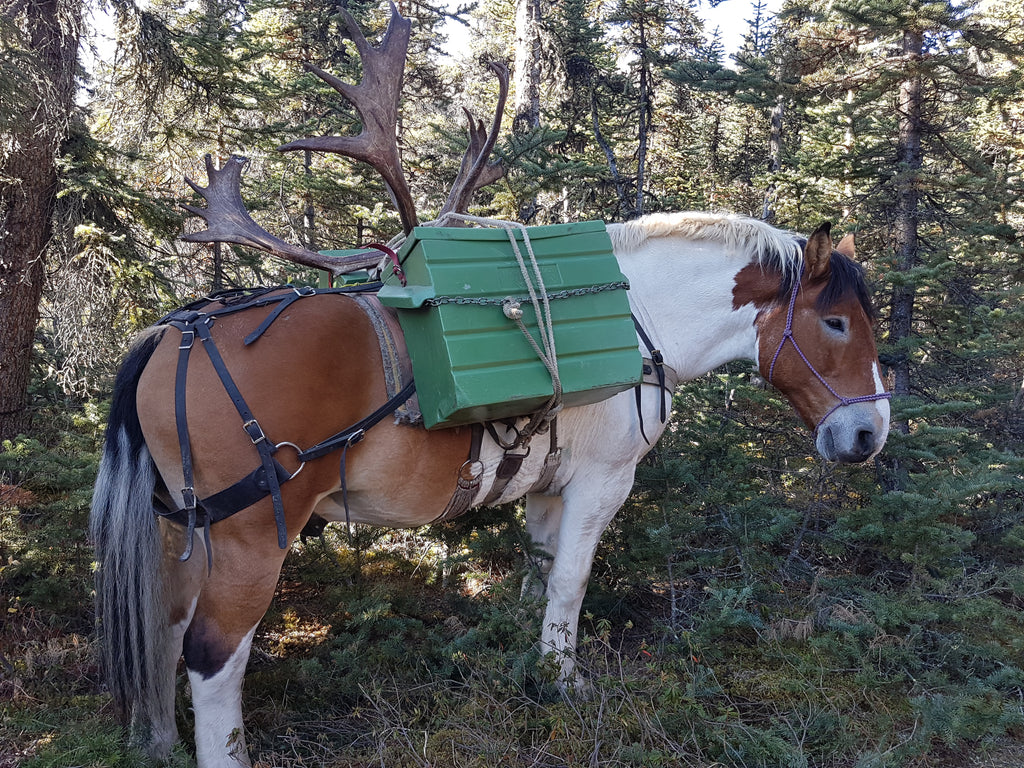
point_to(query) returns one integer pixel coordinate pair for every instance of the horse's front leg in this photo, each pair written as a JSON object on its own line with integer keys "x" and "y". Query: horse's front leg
{"x": 588, "y": 506}
{"x": 543, "y": 520}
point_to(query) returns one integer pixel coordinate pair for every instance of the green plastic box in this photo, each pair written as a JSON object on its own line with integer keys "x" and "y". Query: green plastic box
{"x": 470, "y": 361}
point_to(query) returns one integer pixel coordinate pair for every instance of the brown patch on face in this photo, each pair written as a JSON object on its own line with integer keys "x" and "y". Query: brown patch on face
{"x": 845, "y": 361}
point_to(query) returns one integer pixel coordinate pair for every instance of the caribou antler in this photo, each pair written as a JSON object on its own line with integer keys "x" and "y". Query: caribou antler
{"x": 229, "y": 222}
{"x": 475, "y": 172}
{"x": 376, "y": 100}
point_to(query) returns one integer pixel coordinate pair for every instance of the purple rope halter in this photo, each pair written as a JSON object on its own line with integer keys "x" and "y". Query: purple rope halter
{"x": 787, "y": 335}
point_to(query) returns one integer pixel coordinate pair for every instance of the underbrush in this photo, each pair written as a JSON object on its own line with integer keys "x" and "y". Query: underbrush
{"x": 748, "y": 607}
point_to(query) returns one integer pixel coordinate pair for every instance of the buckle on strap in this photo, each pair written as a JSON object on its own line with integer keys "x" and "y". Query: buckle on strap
{"x": 254, "y": 431}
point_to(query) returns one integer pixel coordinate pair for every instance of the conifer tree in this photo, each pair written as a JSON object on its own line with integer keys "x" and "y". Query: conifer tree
{"x": 44, "y": 35}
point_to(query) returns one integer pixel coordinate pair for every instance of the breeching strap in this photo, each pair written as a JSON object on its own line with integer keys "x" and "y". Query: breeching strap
{"x": 787, "y": 335}
{"x": 268, "y": 477}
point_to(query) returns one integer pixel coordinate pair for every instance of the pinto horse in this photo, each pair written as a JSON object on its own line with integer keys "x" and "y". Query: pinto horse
{"x": 706, "y": 289}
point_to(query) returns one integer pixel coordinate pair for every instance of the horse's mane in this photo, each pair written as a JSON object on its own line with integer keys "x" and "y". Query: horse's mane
{"x": 774, "y": 249}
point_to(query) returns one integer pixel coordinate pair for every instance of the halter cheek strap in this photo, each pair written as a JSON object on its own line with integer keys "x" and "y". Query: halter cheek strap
{"x": 787, "y": 335}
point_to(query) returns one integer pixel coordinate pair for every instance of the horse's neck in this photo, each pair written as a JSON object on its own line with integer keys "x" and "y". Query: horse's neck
{"x": 682, "y": 293}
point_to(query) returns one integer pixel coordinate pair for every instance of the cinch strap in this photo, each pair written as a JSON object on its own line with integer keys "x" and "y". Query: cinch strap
{"x": 658, "y": 364}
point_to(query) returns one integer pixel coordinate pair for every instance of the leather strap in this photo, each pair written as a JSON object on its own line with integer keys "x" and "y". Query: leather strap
{"x": 468, "y": 480}
{"x": 188, "y": 492}
{"x": 658, "y": 364}
{"x": 357, "y": 431}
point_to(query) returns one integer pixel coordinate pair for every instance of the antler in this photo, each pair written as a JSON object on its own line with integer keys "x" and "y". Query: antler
{"x": 376, "y": 100}
{"x": 229, "y": 222}
{"x": 475, "y": 172}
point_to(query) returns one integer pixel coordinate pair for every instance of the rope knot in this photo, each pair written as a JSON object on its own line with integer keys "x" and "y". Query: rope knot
{"x": 512, "y": 309}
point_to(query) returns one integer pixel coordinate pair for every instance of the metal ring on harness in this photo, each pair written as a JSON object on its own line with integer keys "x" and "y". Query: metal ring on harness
{"x": 298, "y": 450}
{"x": 470, "y": 472}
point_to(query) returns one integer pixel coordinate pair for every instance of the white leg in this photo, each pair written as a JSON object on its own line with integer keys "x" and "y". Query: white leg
{"x": 588, "y": 507}
{"x": 543, "y": 520}
{"x": 217, "y": 701}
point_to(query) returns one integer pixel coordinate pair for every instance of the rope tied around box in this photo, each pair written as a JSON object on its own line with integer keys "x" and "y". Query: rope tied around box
{"x": 511, "y": 307}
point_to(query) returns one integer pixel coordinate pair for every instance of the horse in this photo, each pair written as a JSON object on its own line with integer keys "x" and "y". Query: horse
{"x": 705, "y": 289}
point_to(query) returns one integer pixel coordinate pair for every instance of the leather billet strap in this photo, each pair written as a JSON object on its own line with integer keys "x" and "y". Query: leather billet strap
{"x": 355, "y": 433}
{"x": 655, "y": 364}
{"x": 515, "y": 455}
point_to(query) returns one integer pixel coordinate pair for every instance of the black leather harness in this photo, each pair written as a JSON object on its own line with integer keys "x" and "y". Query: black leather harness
{"x": 195, "y": 320}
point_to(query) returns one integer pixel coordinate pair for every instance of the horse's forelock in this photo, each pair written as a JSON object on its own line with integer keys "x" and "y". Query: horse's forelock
{"x": 846, "y": 278}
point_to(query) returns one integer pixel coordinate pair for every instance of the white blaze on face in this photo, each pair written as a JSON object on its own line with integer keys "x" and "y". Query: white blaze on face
{"x": 883, "y": 403}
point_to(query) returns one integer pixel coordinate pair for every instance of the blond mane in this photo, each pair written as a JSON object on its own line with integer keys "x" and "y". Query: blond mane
{"x": 741, "y": 234}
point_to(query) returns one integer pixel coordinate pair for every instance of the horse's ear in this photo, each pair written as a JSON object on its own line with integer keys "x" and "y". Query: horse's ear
{"x": 846, "y": 247}
{"x": 818, "y": 251}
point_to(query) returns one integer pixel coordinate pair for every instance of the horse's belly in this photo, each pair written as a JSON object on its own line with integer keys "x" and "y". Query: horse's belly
{"x": 374, "y": 509}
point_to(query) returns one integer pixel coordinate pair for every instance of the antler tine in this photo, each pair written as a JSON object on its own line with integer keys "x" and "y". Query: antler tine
{"x": 228, "y": 221}
{"x": 376, "y": 99}
{"x": 475, "y": 171}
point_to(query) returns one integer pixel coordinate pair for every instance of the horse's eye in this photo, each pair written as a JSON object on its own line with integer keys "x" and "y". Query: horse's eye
{"x": 836, "y": 324}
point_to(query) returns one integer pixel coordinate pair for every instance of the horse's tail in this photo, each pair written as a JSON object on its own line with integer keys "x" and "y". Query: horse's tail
{"x": 129, "y": 582}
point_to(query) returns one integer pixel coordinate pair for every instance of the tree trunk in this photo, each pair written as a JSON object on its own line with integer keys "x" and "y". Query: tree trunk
{"x": 909, "y": 155}
{"x": 774, "y": 156}
{"x": 613, "y": 166}
{"x": 909, "y": 160}
{"x": 646, "y": 110}
{"x": 526, "y": 67}
{"x": 28, "y": 193}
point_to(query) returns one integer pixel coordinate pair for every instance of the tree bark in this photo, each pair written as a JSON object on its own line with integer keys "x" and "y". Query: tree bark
{"x": 646, "y": 110}
{"x": 909, "y": 161}
{"x": 774, "y": 156}
{"x": 28, "y": 192}
{"x": 526, "y": 67}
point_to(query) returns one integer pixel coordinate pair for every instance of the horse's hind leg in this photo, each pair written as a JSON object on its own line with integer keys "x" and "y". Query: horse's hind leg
{"x": 246, "y": 565}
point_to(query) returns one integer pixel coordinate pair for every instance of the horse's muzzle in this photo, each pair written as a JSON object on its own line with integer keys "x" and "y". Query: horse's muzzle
{"x": 854, "y": 433}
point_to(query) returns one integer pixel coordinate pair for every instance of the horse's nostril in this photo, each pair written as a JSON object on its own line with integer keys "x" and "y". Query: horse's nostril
{"x": 865, "y": 441}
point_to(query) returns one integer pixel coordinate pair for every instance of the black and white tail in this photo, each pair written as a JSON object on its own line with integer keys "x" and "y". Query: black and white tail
{"x": 130, "y": 602}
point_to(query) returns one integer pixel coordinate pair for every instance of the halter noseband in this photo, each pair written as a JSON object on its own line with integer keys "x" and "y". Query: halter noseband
{"x": 787, "y": 335}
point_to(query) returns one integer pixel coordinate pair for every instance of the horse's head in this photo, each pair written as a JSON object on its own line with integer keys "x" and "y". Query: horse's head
{"x": 816, "y": 345}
